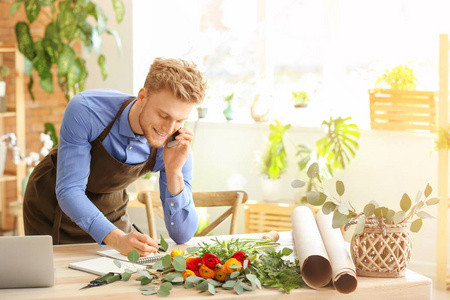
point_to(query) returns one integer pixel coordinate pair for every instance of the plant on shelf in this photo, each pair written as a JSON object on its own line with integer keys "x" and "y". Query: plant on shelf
{"x": 344, "y": 213}
{"x": 300, "y": 98}
{"x": 399, "y": 78}
{"x": 67, "y": 25}
{"x": 332, "y": 152}
{"x": 274, "y": 159}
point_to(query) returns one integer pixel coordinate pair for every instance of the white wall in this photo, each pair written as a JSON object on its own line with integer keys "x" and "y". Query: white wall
{"x": 387, "y": 164}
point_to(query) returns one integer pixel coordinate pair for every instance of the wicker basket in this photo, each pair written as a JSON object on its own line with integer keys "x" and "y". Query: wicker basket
{"x": 381, "y": 251}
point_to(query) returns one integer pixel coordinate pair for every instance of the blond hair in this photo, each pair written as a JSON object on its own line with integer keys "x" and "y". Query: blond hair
{"x": 179, "y": 76}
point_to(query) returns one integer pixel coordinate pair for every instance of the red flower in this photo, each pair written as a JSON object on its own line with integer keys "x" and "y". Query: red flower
{"x": 240, "y": 256}
{"x": 192, "y": 263}
{"x": 211, "y": 260}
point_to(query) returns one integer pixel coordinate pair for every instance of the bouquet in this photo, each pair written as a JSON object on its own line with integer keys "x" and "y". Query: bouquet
{"x": 238, "y": 264}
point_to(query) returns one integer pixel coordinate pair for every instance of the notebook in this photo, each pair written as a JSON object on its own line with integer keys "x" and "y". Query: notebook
{"x": 103, "y": 265}
{"x": 26, "y": 261}
{"x": 142, "y": 260}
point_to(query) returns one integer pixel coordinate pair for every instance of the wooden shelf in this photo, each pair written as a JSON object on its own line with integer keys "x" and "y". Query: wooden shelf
{"x": 7, "y": 49}
{"x": 8, "y": 114}
{"x": 7, "y": 177}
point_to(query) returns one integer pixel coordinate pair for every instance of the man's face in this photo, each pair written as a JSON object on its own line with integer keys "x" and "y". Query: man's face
{"x": 161, "y": 115}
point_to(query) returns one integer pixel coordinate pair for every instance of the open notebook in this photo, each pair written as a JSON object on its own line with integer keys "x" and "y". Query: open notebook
{"x": 105, "y": 263}
{"x": 143, "y": 260}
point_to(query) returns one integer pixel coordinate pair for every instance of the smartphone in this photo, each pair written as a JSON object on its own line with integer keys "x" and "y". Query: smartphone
{"x": 172, "y": 141}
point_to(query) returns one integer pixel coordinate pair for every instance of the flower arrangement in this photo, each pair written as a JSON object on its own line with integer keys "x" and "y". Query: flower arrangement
{"x": 33, "y": 158}
{"x": 344, "y": 214}
{"x": 238, "y": 264}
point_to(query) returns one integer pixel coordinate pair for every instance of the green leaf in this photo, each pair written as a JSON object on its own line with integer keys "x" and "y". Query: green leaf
{"x": 343, "y": 209}
{"x": 32, "y": 10}
{"x": 339, "y": 219}
{"x": 65, "y": 59}
{"x": 203, "y": 286}
{"x": 149, "y": 293}
{"x": 179, "y": 263}
{"x": 229, "y": 284}
{"x": 117, "y": 263}
{"x": 398, "y": 216}
{"x": 381, "y": 211}
{"x": 287, "y": 251}
{"x": 369, "y": 210}
{"x": 194, "y": 279}
{"x": 145, "y": 280}
{"x": 188, "y": 285}
{"x": 49, "y": 129}
{"x": 47, "y": 83}
{"x": 163, "y": 243}
{"x": 328, "y": 207}
{"x": 174, "y": 277}
{"x": 144, "y": 273}
{"x": 211, "y": 289}
{"x": 119, "y": 8}
{"x": 101, "y": 20}
{"x": 340, "y": 188}
{"x": 424, "y": 215}
{"x": 147, "y": 288}
{"x": 15, "y": 6}
{"x": 166, "y": 260}
{"x": 298, "y": 183}
{"x": 433, "y": 201}
{"x": 192, "y": 249}
{"x": 313, "y": 170}
{"x": 416, "y": 225}
{"x": 428, "y": 190}
{"x": 234, "y": 274}
{"x": 315, "y": 198}
{"x": 359, "y": 229}
{"x": 390, "y": 216}
{"x": 133, "y": 256}
{"x": 238, "y": 288}
{"x": 44, "y": 2}
{"x": 66, "y": 22}
{"x": 126, "y": 276}
{"x": 405, "y": 202}
{"x": 24, "y": 40}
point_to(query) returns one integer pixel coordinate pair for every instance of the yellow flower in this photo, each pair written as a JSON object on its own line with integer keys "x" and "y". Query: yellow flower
{"x": 206, "y": 272}
{"x": 187, "y": 273}
{"x": 176, "y": 252}
{"x": 221, "y": 275}
{"x": 229, "y": 263}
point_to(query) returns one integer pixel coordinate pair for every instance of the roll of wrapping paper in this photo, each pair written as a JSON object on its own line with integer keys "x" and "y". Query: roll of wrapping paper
{"x": 310, "y": 249}
{"x": 343, "y": 270}
{"x": 322, "y": 252}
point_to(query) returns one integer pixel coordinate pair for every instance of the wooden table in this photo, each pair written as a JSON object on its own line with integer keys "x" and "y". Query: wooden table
{"x": 69, "y": 282}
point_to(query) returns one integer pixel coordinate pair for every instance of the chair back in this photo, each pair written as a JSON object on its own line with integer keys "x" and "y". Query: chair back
{"x": 231, "y": 199}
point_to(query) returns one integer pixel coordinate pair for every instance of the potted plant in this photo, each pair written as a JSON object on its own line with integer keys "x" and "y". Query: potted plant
{"x": 332, "y": 152}
{"x": 381, "y": 244}
{"x": 300, "y": 98}
{"x": 228, "y": 112}
{"x": 396, "y": 105}
{"x": 274, "y": 161}
{"x": 4, "y": 71}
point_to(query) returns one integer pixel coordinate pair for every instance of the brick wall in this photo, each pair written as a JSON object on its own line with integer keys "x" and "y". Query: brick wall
{"x": 45, "y": 108}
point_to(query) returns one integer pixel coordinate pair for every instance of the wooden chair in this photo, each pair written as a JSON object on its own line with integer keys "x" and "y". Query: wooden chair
{"x": 231, "y": 199}
{"x": 265, "y": 217}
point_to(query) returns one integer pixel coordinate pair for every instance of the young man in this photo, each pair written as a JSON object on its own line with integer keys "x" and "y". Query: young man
{"x": 108, "y": 140}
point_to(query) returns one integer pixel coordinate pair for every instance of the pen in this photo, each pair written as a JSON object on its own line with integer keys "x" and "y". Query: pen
{"x": 161, "y": 249}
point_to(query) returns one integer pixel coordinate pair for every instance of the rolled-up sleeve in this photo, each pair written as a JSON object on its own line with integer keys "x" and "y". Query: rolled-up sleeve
{"x": 180, "y": 215}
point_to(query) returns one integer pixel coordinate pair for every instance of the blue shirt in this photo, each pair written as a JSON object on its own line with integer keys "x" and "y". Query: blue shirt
{"x": 85, "y": 117}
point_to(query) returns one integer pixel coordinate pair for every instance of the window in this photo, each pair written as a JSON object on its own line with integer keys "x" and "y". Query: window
{"x": 332, "y": 49}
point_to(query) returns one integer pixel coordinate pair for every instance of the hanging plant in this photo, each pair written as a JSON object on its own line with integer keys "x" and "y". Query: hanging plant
{"x": 67, "y": 26}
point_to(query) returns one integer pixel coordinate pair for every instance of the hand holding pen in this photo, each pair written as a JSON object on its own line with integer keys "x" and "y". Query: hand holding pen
{"x": 160, "y": 249}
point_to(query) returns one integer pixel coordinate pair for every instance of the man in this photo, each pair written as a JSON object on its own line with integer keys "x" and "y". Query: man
{"x": 108, "y": 140}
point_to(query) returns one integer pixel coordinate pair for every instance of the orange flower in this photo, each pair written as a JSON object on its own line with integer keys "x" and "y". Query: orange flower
{"x": 187, "y": 273}
{"x": 229, "y": 263}
{"x": 206, "y": 272}
{"x": 221, "y": 275}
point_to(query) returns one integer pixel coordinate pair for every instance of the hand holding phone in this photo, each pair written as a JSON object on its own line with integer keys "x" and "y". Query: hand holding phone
{"x": 172, "y": 142}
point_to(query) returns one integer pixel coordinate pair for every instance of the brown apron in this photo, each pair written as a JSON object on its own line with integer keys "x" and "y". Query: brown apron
{"x": 106, "y": 185}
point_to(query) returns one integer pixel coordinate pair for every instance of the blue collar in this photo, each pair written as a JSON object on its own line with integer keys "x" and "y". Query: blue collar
{"x": 124, "y": 125}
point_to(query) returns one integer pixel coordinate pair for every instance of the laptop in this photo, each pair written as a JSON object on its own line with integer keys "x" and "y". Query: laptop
{"x": 26, "y": 261}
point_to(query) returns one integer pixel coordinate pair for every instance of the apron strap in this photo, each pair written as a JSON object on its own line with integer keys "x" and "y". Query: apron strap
{"x": 107, "y": 129}
{"x": 57, "y": 225}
